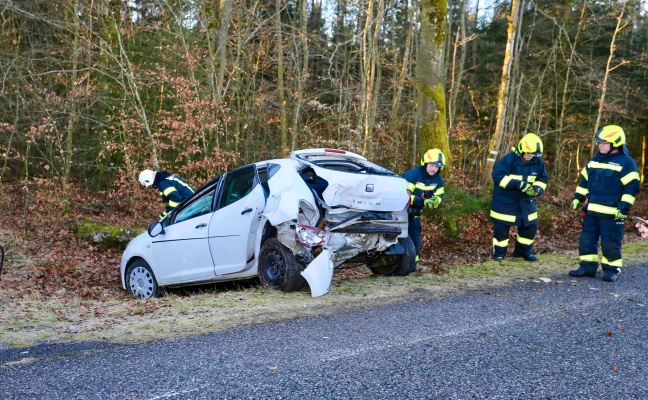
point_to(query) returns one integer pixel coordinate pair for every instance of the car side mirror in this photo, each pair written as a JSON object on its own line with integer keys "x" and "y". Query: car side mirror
{"x": 155, "y": 229}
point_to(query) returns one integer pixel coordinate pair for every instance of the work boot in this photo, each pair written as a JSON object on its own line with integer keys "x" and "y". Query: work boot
{"x": 498, "y": 258}
{"x": 529, "y": 257}
{"x": 610, "y": 277}
{"x": 580, "y": 273}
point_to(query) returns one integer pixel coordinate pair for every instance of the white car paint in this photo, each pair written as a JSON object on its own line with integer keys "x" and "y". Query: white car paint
{"x": 225, "y": 244}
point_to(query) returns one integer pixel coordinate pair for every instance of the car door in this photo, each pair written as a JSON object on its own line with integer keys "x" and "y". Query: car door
{"x": 182, "y": 252}
{"x": 233, "y": 227}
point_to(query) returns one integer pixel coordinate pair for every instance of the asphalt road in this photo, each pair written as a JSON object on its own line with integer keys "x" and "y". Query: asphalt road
{"x": 579, "y": 339}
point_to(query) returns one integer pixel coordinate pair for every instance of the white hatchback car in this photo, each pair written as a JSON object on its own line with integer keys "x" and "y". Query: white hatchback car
{"x": 288, "y": 221}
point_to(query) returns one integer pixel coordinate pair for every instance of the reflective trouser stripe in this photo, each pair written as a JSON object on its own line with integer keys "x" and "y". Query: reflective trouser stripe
{"x": 616, "y": 263}
{"x": 500, "y": 243}
{"x": 173, "y": 204}
{"x": 533, "y": 216}
{"x": 522, "y": 240}
{"x": 589, "y": 257}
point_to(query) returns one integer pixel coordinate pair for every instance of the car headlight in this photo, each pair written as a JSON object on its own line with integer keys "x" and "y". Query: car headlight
{"x": 311, "y": 236}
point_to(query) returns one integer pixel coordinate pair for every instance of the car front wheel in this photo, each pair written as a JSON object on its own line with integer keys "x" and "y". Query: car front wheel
{"x": 140, "y": 281}
{"x": 278, "y": 268}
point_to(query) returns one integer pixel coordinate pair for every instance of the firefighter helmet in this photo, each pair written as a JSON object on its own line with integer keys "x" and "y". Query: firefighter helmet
{"x": 435, "y": 157}
{"x": 530, "y": 144}
{"x": 612, "y": 134}
{"x": 146, "y": 177}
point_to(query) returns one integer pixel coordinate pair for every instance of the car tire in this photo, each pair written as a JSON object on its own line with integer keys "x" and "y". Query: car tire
{"x": 404, "y": 262}
{"x": 278, "y": 268}
{"x": 140, "y": 280}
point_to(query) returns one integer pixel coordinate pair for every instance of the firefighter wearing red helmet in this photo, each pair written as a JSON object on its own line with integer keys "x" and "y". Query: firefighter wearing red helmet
{"x": 425, "y": 187}
{"x": 519, "y": 177}
{"x": 608, "y": 186}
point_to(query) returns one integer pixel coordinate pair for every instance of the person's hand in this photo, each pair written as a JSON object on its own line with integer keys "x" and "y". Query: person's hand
{"x": 643, "y": 229}
{"x": 530, "y": 191}
{"x": 432, "y": 202}
{"x": 524, "y": 186}
{"x": 574, "y": 204}
{"x": 416, "y": 201}
{"x": 619, "y": 216}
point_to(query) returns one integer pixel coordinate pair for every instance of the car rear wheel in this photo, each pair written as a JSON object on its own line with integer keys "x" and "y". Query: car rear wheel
{"x": 402, "y": 264}
{"x": 140, "y": 281}
{"x": 278, "y": 268}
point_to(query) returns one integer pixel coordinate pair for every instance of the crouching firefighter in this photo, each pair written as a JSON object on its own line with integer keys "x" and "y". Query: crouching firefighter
{"x": 425, "y": 187}
{"x": 608, "y": 186}
{"x": 518, "y": 178}
{"x": 173, "y": 188}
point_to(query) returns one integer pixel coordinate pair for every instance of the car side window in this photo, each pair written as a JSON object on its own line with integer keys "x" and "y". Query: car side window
{"x": 237, "y": 185}
{"x": 201, "y": 206}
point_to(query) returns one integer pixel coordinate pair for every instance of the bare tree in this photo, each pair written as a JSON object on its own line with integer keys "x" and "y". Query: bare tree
{"x": 620, "y": 25}
{"x": 504, "y": 91}
{"x": 431, "y": 112}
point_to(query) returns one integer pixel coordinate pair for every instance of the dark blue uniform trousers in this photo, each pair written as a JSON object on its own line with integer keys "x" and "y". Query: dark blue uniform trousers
{"x": 501, "y": 233}
{"x": 611, "y": 233}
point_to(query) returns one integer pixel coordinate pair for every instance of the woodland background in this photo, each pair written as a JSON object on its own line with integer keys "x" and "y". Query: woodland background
{"x": 93, "y": 91}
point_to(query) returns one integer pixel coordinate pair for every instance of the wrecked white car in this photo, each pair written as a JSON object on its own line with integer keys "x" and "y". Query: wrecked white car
{"x": 288, "y": 221}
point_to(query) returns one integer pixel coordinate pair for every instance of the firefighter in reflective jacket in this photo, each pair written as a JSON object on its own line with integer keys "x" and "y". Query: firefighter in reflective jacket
{"x": 425, "y": 187}
{"x": 173, "y": 188}
{"x": 519, "y": 177}
{"x": 608, "y": 186}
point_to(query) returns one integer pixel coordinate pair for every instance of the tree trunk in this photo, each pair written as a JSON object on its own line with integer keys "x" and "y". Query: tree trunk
{"x": 72, "y": 94}
{"x": 431, "y": 112}
{"x": 609, "y": 69}
{"x": 285, "y": 151}
{"x": 503, "y": 95}
{"x": 302, "y": 73}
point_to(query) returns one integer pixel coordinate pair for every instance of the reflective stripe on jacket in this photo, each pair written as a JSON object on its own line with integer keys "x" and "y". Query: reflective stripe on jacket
{"x": 423, "y": 186}
{"x": 509, "y": 204}
{"x": 173, "y": 189}
{"x": 610, "y": 182}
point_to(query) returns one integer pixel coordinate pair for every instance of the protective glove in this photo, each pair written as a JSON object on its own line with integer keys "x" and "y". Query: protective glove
{"x": 531, "y": 191}
{"x": 574, "y": 204}
{"x": 432, "y": 202}
{"x": 620, "y": 216}
{"x": 416, "y": 201}
{"x": 524, "y": 186}
{"x": 538, "y": 191}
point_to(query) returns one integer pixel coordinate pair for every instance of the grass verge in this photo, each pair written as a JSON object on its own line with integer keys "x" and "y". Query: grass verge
{"x": 28, "y": 320}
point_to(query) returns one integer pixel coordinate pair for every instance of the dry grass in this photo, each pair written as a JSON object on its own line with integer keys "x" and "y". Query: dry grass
{"x": 29, "y": 319}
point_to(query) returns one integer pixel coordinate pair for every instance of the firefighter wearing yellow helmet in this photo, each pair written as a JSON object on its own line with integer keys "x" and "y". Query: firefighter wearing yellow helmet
{"x": 173, "y": 188}
{"x": 608, "y": 186}
{"x": 519, "y": 177}
{"x": 425, "y": 187}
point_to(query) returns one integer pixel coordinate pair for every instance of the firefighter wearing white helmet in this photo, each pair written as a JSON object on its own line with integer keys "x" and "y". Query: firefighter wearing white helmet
{"x": 425, "y": 187}
{"x": 173, "y": 188}
{"x": 518, "y": 178}
{"x": 608, "y": 186}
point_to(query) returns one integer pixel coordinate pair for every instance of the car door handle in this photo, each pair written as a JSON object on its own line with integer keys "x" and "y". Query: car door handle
{"x": 247, "y": 210}
{"x": 201, "y": 225}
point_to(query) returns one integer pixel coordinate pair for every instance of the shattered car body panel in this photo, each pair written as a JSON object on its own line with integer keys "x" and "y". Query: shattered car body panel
{"x": 324, "y": 207}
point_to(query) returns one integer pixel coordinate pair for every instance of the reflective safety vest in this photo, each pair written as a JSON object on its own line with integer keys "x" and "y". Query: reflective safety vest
{"x": 509, "y": 205}
{"x": 610, "y": 182}
{"x": 422, "y": 186}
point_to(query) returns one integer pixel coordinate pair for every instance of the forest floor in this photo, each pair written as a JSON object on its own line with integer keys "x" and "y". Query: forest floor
{"x": 56, "y": 286}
